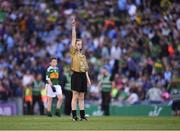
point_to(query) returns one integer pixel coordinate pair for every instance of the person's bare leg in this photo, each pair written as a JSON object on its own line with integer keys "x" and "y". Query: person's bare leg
{"x": 81, "y": 101}
{"x": 58, "y": 105}
{"x": 59, "y": 102}
{"x": 49, "y": 106}
{"x": 81, "y": 106}
{"x": 75, "y": 95}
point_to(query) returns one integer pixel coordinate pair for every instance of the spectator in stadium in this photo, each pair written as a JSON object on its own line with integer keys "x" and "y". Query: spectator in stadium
{"x": 175, "y": 94}
{"x": 17, "y": 92}
{"x": 176, "y": 107}
{"x": 106, "y": 85}
{"x": 27, "y": 79}
{"x": 28, "y": 99}
{"x": 3, "y": 93}
{"x": 37, "y": 86}
{"x": 133, "y": 97}
{"x": 116, "y": 87}
{"x": 67, "y": 92}
{"x": 154, "y": 94}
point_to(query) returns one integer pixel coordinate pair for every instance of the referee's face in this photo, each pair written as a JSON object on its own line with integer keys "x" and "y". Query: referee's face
{"x": 54, "y": 63}
{"x": 79, "y": 44}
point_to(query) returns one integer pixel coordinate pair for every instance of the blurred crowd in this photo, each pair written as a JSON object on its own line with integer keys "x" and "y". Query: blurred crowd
{"x": 136, "y": 41}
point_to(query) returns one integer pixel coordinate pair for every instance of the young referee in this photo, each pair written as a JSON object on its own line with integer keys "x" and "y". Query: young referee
{"x": 80, "y": 77}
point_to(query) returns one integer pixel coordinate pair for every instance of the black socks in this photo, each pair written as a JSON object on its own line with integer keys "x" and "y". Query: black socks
{"x": 74, "y": 113}
{"x": 82, "y": 113}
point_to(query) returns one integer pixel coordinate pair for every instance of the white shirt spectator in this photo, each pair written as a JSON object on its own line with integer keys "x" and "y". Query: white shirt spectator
{"x": 27, "y": 79}
{"x": 42, "y": 6}
{"x": 96, "y": 42}
{"x": 132, "y": 10}
{"x": 154, "y": 94}
{"x": 133, "y": 98}
{"x": 13, "y": 16}
{"x": 165, "y": 31}
{"x": 116, "y": 52}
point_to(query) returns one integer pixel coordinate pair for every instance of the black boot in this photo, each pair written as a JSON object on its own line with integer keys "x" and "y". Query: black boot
{"x": 49, "y": 114}
{"x": 82, "y": 115}
{"x": 58, "y": 113}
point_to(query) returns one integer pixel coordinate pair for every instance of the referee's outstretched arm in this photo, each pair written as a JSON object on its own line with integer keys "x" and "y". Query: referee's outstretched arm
{"x": 73, "y": 32}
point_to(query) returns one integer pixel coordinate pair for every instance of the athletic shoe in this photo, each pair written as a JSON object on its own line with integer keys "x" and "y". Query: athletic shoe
{"x": 49, "y": 114}
{"x": 58, "y": 113}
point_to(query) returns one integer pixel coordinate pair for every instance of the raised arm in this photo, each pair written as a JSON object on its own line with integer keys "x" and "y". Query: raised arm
{"x": 73, "y": 32}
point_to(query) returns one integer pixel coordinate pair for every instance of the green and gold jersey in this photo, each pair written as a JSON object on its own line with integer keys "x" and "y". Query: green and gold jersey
{"x": 52, "y": 74}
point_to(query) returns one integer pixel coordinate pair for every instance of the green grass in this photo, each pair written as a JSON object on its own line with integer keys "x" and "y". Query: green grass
{"x": 94, "y": 123}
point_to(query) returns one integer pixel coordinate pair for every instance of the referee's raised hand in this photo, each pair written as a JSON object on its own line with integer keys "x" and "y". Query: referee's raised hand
{"x": 73, "y": 21}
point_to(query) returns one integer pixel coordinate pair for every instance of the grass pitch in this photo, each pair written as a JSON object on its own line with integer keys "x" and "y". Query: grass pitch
{"x": 93, "y": 123}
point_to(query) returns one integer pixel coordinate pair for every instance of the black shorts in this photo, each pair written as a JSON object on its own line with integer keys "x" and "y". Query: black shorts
{"x": 79, "y": 82}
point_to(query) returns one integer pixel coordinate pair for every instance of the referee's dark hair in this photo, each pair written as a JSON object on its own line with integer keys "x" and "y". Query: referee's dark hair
{"x": 53, "y": 58}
